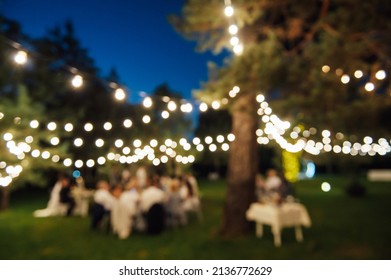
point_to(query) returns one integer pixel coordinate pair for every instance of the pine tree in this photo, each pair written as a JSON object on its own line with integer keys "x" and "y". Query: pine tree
{"x": 286, "y": 44}
{"x": 27, "y": 146}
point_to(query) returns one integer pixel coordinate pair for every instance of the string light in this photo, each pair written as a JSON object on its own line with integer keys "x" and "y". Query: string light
{"x": 147, "y": 102}
{"x": 88, "y": 127}
{"x": 369, "y": 87}
{"x": 358, "y": 74}
{"x": 107, "y": 126}
{"x": 77, "y": 81}
{"x": 146, "y": 119}
{"x": 229, "y": 11}
{"x": 119, "y": 94}
{"x": 380, "y": 75}
{"x": 20, "y": 57}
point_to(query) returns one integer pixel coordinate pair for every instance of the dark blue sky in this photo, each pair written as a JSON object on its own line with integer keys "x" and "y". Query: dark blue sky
{"x": 132, "y": 36}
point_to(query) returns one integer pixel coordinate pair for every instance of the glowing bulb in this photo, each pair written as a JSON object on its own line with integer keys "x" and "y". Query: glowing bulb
{"x": 34, "y": 124}
{"x": 326, "y": 133}
{"x": 325, "y": 68}
{"x": 153, "y": 143}
{"x": 29, "y": 139}
{"x": 67, "y": 162}
{"x": 35, "y": 153}
{"x": 233, "y": 29}
{"x": 78, "y": 142}
{"x": 128, "y": 123}
{"x": 68, "y": 127}
{"x": 225, "y": 147}
{"x": 171, "y": 106}
{"x": 126, "y": 150}
{"x": 78, "y": 163}
{"x": 55, "y": 158}
{"x": 45, "y": 155}
{"x": 119, "y": 94}
{"x": 52, "y": 126}
{"x": 369, "y": 87}
{"x": 215, "y": 104}
{"x": 101, "y": 160}
{"x": 90, "y": 163}
{"x": 146, "y": 119}
{"x": 326, "y": 187}
{"x": 165, "y": 114}
{"x": 203, "y": 107}
{"x": 345, "y": 79}
{"x": 208, "y": 140}
{"x": 380, "y": 75}
{"x": 156, "y": 162}
{"x": 119, "y": 143}
{"x": 358, "y": 74}
{"x": 147, "y": 102}
{"x": 212, "y": 148}
{"x": 137, "y": 143}
{"x": 229, "y": 11}
{"x": 8, "y": 136}
{"x": 200, "y": 147}
{"x": 238, "y": 49}
{"x": 77, "y": 81}
{"x": 164, "y": 159}
{"x": 20, "y": 57}
{"x": 220, "y": 138}
{"x": 107, "y": 126}
{"x": 186, "y": 108}
{"x": 234, "y": 41}
{"x": 88, "y": 127}
{"x": 54, "y": 141}
{"x": 231, "y": 137}
{"x": 99, "y": 143}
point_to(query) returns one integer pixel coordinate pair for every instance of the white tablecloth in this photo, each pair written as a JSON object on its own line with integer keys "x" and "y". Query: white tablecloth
{"x": 278, "y": 217}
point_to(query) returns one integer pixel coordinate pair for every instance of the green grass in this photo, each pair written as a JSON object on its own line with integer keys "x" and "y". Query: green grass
{"x": 342, "y": 228}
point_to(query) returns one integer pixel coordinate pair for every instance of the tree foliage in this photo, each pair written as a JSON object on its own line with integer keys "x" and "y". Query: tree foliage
{"x": 287, "y": 43}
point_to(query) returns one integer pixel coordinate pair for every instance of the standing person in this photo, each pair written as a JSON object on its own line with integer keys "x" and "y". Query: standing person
{"x": 66, "y": 194}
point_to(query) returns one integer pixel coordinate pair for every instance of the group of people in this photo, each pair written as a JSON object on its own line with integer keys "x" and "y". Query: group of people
{"x": 274, "y": 188}
{"x": 125, "y": 203}
{"x": 149, "y": 204}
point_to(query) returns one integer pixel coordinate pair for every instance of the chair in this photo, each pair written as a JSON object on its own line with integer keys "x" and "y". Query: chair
{"x": 155, "y": 218}
{"x": 100, "y": 217}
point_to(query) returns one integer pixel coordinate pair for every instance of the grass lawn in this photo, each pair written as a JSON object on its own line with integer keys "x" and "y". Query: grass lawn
{"x": 342, "y": 228}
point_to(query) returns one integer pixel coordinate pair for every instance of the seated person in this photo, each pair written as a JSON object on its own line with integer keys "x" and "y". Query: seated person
{"x": 151, "y": 195}
{"x": 66, "y": 195}
{"x": 54, "y": 206}
{"x": 125, "y": 209}
{"x": 175, "y": 211}
{"x": 103, "y": 203}
{"x": 152, "y": 202}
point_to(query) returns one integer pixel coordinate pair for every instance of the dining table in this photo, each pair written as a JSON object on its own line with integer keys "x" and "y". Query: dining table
{"x": 279, "y": 216}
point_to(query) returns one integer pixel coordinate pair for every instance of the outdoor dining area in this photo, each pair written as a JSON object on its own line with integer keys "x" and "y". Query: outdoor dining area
{"x": 276, "y": 207}
{"x": 143, "y": 202}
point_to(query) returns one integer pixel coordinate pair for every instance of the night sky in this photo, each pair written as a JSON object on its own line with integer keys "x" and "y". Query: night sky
{"x": 132, "y": 36}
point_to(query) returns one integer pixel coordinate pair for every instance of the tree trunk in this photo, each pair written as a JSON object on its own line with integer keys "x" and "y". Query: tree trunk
{"x": 242, "y": 167}
{"x": 4, "y": 196}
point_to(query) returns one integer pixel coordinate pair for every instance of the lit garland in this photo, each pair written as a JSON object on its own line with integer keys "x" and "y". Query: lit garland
{"x": 233, "y": 28}
{"x": 275, "y": 128}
